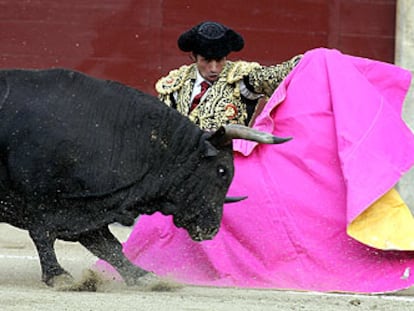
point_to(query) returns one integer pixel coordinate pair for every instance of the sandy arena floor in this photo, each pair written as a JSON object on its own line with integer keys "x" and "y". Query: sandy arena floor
{"x": 21, "y": 288}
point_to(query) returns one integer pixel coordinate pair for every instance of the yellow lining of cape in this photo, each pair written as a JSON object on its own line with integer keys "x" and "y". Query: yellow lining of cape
{"x": 387, "y": 224}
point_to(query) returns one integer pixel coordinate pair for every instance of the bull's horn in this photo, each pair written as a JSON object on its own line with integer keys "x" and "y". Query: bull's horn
{"x": 234, "y": 131}
{"x": 234, "y": 199}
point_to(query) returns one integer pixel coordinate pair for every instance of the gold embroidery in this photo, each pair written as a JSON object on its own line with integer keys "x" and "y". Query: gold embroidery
{"x": 230, "y": 111}
{"x": 175, "y": 79}
{"x": 265, "y": 80}
{"x": 240, "y": 69}
{"x": 223, "y": 103}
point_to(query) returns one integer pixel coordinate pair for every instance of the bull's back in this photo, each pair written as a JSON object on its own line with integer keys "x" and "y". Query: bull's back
{"x": 61, "y": 126}
{"x": 69, "y": 97}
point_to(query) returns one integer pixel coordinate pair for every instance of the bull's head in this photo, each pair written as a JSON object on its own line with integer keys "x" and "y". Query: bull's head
{"x": 210, "y": 175}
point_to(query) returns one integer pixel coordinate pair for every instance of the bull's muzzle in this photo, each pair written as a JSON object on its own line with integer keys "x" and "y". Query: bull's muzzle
{"x": 199, "y": 234}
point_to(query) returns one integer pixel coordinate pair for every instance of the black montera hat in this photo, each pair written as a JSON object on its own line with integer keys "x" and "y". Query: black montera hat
{"x": 211, "y": 40}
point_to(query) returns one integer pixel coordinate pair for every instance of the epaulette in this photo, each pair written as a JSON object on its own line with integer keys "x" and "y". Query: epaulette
{"x": 175, "y": 79}
{"x": 239, "y": 69}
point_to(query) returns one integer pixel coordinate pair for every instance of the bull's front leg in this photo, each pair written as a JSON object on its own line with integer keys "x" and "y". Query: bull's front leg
{"x": 51, "y": 269}
{"x": 103, "y": 244}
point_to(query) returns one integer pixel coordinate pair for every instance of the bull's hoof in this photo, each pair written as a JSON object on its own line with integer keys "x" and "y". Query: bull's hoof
{"x": 153, "y": 283}
{"x": 145, "y": 280}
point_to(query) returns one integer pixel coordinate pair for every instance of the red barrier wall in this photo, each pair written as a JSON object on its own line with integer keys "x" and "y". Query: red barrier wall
{"x": 134, "y": 41}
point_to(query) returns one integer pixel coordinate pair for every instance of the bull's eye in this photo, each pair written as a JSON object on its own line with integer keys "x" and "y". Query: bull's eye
{"x": 222, "y": 172}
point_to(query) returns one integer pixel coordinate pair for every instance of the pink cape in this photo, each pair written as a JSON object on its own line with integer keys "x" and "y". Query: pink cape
{"x": 349, "y": 147}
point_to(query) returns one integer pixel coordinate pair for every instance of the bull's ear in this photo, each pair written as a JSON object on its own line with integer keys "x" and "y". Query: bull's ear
{"x": 219, "y": 137}
{"x": 209, "y": 149}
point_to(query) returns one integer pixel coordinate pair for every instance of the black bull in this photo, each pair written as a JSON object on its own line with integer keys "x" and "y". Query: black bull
{"x": 79, "y": 153}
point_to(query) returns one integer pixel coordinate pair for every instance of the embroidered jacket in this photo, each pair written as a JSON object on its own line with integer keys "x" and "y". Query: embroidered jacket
{"x": 232, "y": 98}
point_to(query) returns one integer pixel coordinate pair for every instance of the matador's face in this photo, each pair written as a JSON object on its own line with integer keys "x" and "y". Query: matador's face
{"x": 210, "y": 68}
